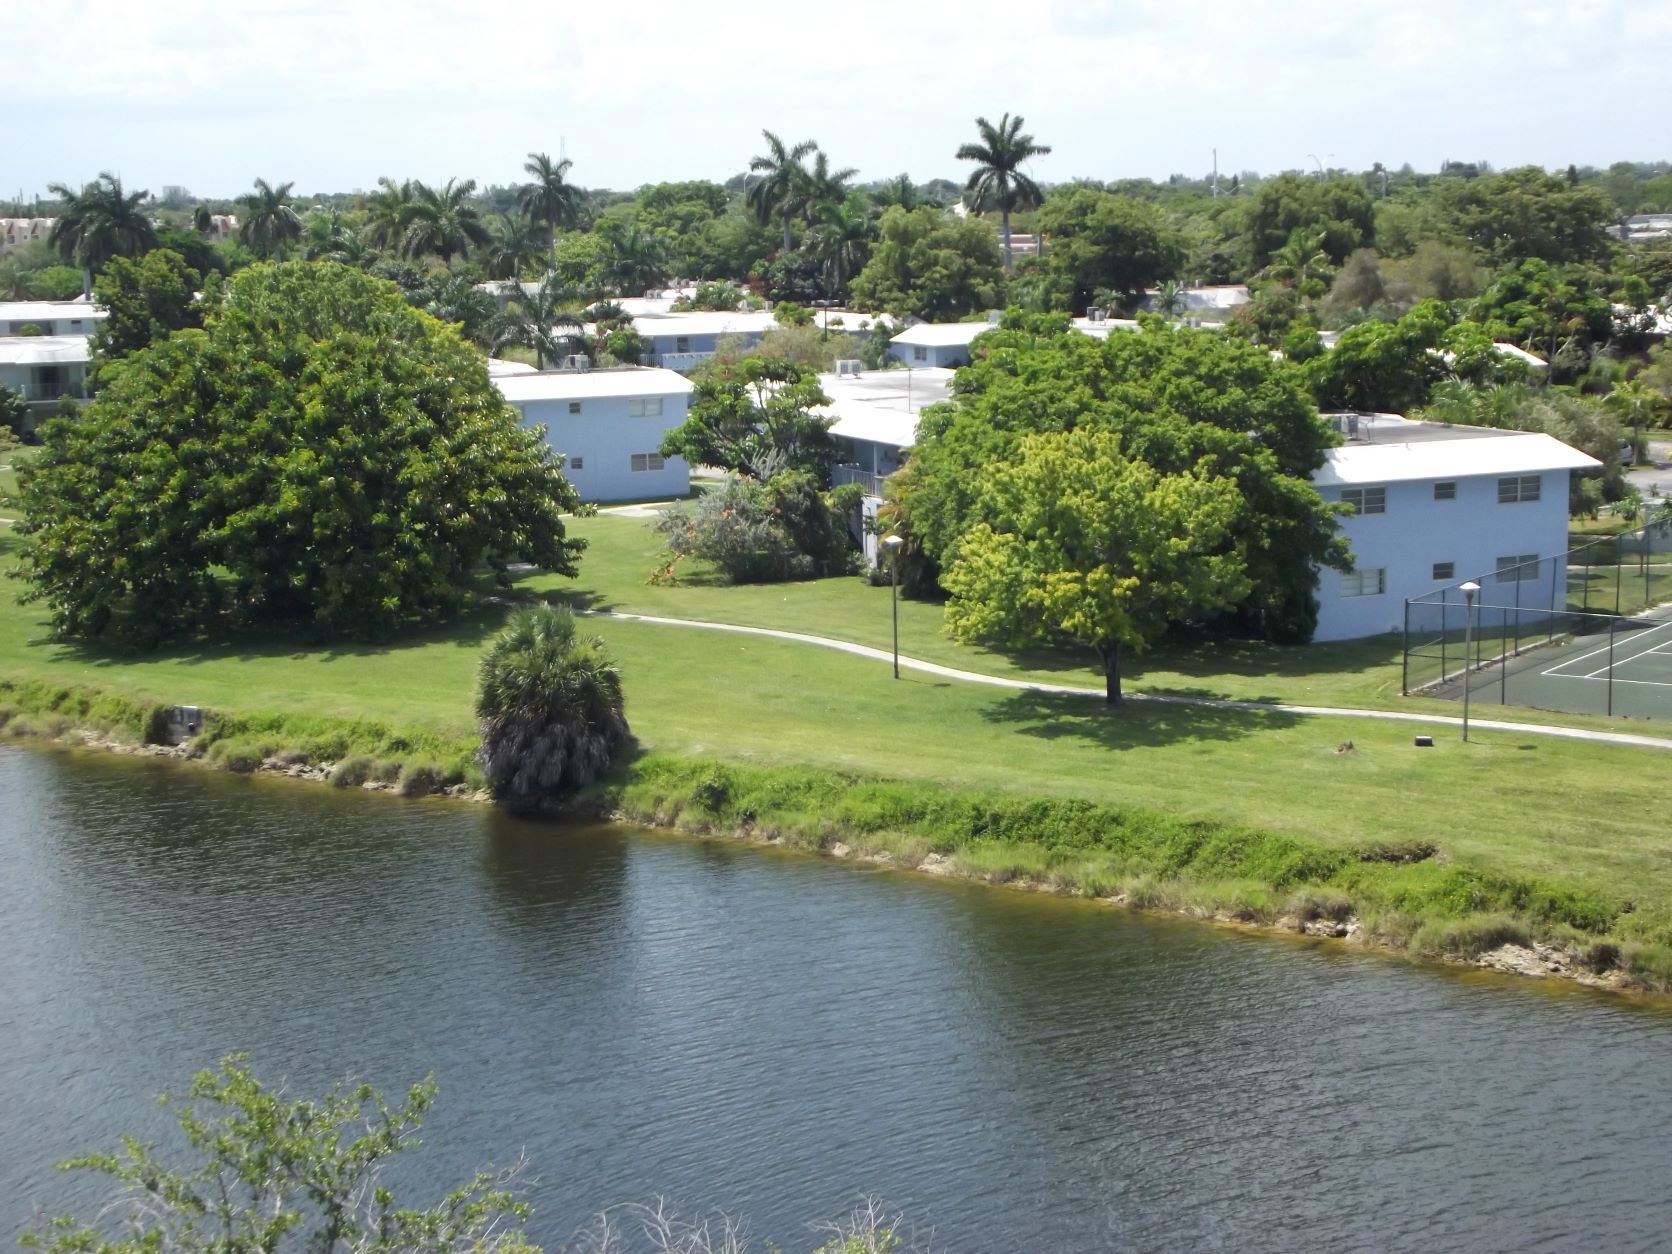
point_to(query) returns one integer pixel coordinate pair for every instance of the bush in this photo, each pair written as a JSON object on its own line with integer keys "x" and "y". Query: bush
{"x": 352, "y": 772}
{"x": 766, "y": 532}
{"x": 420, "y": 778}
{"x": 1469, "y": 938}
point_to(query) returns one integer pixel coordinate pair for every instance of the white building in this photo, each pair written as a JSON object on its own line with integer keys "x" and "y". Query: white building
{"x": 1435, "y": 505}
{"x": 49, "y": 317}
{"x": 680, "y": 341}
{"x": 938, "y": 344}
{"x": 608, "y": 426}
{"x": 45, "y": 368}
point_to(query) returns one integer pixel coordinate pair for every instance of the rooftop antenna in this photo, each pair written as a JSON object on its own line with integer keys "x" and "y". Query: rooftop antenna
{"x": 562, "y": 148}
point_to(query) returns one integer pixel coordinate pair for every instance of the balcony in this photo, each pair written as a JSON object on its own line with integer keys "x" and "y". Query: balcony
{"x": 853, "y": 474}
{"x": 678, "y": 361}
{"x": 47, "y": 393}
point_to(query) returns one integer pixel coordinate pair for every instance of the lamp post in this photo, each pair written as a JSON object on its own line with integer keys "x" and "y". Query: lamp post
{"x": 892, "y": 544}
{"x": 1468, "y": 590}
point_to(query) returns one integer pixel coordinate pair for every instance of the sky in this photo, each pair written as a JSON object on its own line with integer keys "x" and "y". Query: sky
{"x": 331, "y": 94}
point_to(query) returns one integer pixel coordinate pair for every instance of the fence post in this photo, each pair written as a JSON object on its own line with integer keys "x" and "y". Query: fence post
{"x": 1405, "y": 654}
{"x": 1556, "y": 565}
{"x": 1612, "y": 624}
{"x": 1503, "y": 665}
{"x": 1518, "y": 611}
{"x": 1442, "y": 635}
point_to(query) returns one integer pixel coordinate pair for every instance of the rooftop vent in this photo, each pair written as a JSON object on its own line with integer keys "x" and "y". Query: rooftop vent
{"x": 849, "y": 367}
{"x": 577, "y": 361}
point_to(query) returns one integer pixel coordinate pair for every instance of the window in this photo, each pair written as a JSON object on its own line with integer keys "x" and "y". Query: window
{"x": 574, "y": 407}
{"x": 1518, "y": 488}
{"x": 1446, "y": 491}
{"x": 919, "y": 353}
{"x": 1366, "y": 500}
{"x": 75, "y": 324}
{"x": 647, "y": 461}
{"x": 1517, "y": 568}
{"x": 682, "y": 344}
{"x": 577, "y": 463}
{"x": 1365, "y": 583}
{"x": 1444, "y": 570}
{"x": 644, "y": 407}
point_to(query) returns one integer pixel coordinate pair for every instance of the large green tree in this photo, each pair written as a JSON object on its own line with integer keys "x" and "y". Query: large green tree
{"x": 442, "y": 221}
{"x": 999, "y": 182}
{"x": 146, "y": 300}
{"x": 320, "y": 454}
{"x": 756, "y": 417}
{"x": 1338, "y": 210}
{"x": 549, "y": 198}
{"x": 270, "y": 219}
{"x": 99, "y": 222}
{"x": 545, "y": 320}
{"x": 1527, "y": 213}
{"x": 779, "y": 177}
{"x": 1174, "y": 399}
{"x": 1079, "y": 541}
{"x": 1100, "y": 241}
{"x": 1382, "y": 366}
{"x": 927, "y": 264}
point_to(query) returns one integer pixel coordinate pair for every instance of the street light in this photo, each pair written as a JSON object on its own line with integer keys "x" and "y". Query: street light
{"x": 1468, "y": 590}
{"x": 892, "y": 544}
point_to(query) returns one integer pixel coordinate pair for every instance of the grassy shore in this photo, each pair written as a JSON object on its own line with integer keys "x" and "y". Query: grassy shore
{"x": 800, "y": 735}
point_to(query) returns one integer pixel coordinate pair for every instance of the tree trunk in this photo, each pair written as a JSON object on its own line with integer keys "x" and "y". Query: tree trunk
{"x": 788, "y": 243}
{"x": 1004, "y": 217}
{"x": 1111, "y": 672}
{"x": 86, "y": 282}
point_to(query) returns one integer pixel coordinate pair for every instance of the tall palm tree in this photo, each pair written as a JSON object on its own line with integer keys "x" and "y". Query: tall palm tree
{"x": 474, "y": 311}
{"x": 270, "y": 219}
{"x": 842, "y": 241}
{"x": 388, "y": 212}
{"x": 100, "y": 222}
{"x": 998, "y": 181}
{"x": 203, "y": 221}
{"x": 515, "y": 244}
{"x": 443, "y": 221}
{"x": 638, "y": 259}
{"x": 899, "y": 190}
{"x": 778, "y": 182}
{"x": 326, "y": 237}
{"x": 1300, "y": 262}
{"x": 549, "y": 199}
{"x": 549, "y": 708}
{"x": 822, "y": 186}
{"x": 544, "y": 320}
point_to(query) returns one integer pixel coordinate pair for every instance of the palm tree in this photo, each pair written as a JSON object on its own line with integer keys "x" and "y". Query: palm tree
{"x": 326, "y": 237}
{"x": 203, "y": 221}
{"x": 899, "y": 190}
{"x": 821, "y": 186}
{"x": 1301, "y": 261}
{"x": 388, "y": 212}
{"x": 549, "y": 707}
{"x": 98, "y": 223}
{"x": 544, "y": 320}
{"x": 1170, "y": 299}
{"x": 442, "y": 221}
{"x": 270, "y": 219}
{"x": 474, "y": 311}
{"x": 514, "y": 246}
{"x": 998, "y": 181}
{"x": 638, "y": 259}
{"x": 842, "y": 242}
{"x": 549, "y": 199}
{"x": 780, "y": 177}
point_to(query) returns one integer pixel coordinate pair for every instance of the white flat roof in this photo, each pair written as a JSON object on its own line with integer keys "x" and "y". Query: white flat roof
{"x": 580, "y": 385}
{"x": 48, "y": 310}
{"x": 43, "y": 350}
{"x": 1435, "y": 457}
{"x": 706, "y": 322}
{"x": 883, "y": 406}
{"x": 941, "y": 334}
{"x": 1100, "y": 330}
{"x": 498, "y": 368}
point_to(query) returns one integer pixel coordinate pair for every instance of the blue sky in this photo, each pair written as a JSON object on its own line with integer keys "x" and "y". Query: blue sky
{"x": 332, "y": 95}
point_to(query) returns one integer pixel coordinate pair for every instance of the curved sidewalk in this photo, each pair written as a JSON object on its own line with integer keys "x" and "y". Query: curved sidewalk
{"x": 995, "y": 681}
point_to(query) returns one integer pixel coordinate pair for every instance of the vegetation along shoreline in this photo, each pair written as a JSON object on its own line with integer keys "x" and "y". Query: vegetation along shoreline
{"x": 1378, "y": 896}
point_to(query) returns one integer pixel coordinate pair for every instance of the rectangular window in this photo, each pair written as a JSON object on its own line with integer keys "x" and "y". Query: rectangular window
{"x": 1365, "y": 583}
{"x": 577, "y": 463}
{"x": 919, "y": 353}
{"x": 1366, "y": 500}
{"x": 647, "y": 461}
{"x": 1446, "y": 491}
{"x": 644, "y": 407}
{"x": 1518, "y": 488}
{"x": 1444, "y": 571}
{"x": 574, "y": 407}
{"x": 75, "y": 324}
{"x": 1517, "y": 568}
{"x": 682, "y": 344}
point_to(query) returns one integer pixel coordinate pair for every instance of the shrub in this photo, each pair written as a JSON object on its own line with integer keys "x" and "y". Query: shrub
{"x": 419, "y": 778}
{"x": 766, "y": 532}
{"x": 352, "y": 772}
{"x": 1469, "y": 938}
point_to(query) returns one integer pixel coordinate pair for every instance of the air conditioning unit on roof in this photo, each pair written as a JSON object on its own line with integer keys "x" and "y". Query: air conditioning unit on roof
{"x": 849, "y": 367}
{"x": 577, "y": 361}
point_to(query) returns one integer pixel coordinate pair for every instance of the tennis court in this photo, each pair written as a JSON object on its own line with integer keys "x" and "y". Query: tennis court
{"x": 1593, "y": 665}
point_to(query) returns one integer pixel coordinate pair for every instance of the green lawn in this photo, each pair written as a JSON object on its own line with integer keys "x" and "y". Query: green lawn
{"x": 1588, "y": 815}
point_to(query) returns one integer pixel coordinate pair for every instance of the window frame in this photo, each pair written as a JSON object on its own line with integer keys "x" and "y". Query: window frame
{"x": 1360, "y": 498}
{"x": 1357, "y": 589}
{"x": 919, "y": 352}
{"x": 574, "y": 407}
{"x": 1450, "y": 486}
{"x": 1513, "y": 489}
{"x": 645, "y": 463}
{"x": 1517, "y": 568}
{"x": 577, "y": 463}
{"x": 644, "y": 407}
{"x": 1450, "y": 569}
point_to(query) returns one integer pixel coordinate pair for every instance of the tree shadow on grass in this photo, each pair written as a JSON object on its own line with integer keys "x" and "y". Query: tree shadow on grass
{"x": 1134, "y": 724}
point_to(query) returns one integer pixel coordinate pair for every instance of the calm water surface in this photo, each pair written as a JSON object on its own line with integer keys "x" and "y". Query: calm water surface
{"x": 775, "y": 1036}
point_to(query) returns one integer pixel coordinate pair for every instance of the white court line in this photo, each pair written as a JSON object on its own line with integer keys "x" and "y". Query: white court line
{"x": 1617, "y": 662}
{"x": 1554, "y": 671}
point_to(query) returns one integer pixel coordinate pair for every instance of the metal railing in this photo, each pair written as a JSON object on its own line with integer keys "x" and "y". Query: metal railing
{"x": 46, "y": 392}
{"x": 853, "y": 474}
{"x": 677, "y": 361}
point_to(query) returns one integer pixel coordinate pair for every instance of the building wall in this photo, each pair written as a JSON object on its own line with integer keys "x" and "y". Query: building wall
{"x": 41, "y": 385}
{"x": 681, "y": 352}
{"x": 78, "y": 325}
{"x": 945, "y": 355}
{"x": 1472, "y": 532}
{"x": 605, "y": 438}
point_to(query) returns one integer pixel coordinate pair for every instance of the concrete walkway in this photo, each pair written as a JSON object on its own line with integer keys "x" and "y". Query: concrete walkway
{"x": 1024, "y": 685}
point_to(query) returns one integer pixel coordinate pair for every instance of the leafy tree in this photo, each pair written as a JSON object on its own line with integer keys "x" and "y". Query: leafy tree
{"x": 329, "y": 235}
{"x": 721, "y": 297}
{"x": 929, "y": 265}
{"x": 388, "y": 213}
{"x": 270, "y": 219}
{"x": 775, "y": 191}
{"x": 1381, "y": 366}
{"x": 841, "y": 239}
{"x": 1338, "y": 210}
{"x": 550, "y": 199}
{"x": 998, "y": 182}
{"x": 1173, "y": 397}
{"x": 822, "y": 188}
{"x": 320, "y": 453}
{"x": 544, "y": 320}
{"x": 1101, "y": 241}
{"x": 729, "y": 247}
{"x": 513, "y": 248}
{"x": 754, "y": 532}
{"x": 1078, "y": 541}
{"x": 272, "y": 1173}
{"x": 442, "y": 221}
{"x": 756, "y": 418}
{"x": 147, "y": 300}
{"x": 1301, "y": 264}
{"x": 636, "y": 258}
{"x": 1539, "y": 306}
{"x": 14, "y": 413}
{"x": 203, "y": 218}
{"x": 99, "y": 222}
{"x": 1528, "y": 214}
{"x": 549, "y": 707}
{"x": 455, "y": 299}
